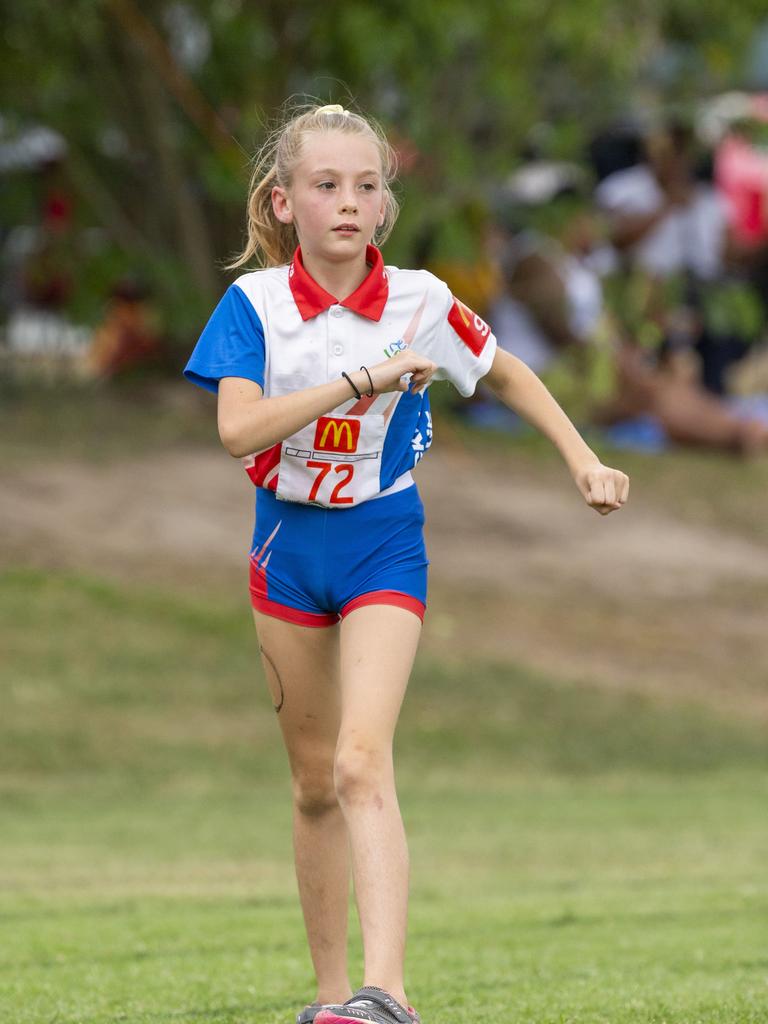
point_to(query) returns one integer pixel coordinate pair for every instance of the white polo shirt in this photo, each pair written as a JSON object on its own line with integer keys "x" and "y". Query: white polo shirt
{"x": 278, "y": 327}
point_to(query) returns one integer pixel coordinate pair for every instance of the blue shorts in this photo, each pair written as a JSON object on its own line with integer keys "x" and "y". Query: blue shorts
{"x": 313, "y": 565}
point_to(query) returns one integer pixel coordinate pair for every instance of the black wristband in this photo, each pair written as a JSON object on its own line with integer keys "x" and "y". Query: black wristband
{"x": 352, "y": 385}
{"x": 368, "y": 394}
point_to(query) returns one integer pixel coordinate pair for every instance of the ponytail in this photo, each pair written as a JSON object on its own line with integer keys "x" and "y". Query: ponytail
{"x": 269, "y": 240}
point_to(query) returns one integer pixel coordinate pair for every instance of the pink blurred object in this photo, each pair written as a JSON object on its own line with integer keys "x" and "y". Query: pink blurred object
{"x": 741, "y": 173}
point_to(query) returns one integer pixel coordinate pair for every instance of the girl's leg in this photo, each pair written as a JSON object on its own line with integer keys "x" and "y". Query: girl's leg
{"x": 378, "y": 645}
{"x": 301, "y": 664}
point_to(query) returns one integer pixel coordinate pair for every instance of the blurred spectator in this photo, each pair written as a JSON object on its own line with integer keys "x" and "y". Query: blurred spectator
{"x": 670, "y": 225}
{"x": 127, "y": 338}
{"x": 551, "y": 297}
{"x": 47, "y": 279}
{"x": 616, "y": 148}
{"x": 741, "y": 169}
{"x": 737, "y": 123}
{"x": 663, "y": 218}
{"x": 551, "y": 314}
{"x": 550, "y": 250}
{"x": 37, "y": 259}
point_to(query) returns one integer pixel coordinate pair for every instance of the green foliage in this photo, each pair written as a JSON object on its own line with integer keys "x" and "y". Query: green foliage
{"x": 733, "y": 308}
{"x": 159, "y": 152}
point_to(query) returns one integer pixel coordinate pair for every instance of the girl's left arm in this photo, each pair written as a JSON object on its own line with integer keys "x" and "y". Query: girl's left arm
{"x": 603, "y": 488}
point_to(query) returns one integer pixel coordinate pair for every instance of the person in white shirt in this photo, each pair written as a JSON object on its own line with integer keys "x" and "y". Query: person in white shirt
{"x": 663, "y": 218}
{"x": 671, "y": 225}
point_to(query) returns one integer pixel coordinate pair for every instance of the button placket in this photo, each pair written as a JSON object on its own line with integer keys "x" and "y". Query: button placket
{"x": 337, "y": 348}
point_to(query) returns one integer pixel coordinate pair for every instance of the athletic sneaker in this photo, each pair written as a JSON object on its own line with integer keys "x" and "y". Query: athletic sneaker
{"x": 308, "y": 1014}
{"x": 369, "y": 1003}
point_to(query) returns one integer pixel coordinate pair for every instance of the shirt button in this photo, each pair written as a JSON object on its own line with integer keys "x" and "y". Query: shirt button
{"x": 338, "y": 349}
{"x": 337, "y": 311}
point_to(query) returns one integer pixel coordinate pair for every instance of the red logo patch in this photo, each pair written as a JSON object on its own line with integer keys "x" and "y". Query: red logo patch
{"x": 334, "y": 435}
{"x": 472, "y": 330}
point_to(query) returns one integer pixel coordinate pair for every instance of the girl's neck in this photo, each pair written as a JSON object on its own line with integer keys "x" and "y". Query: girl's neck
{"x": 340, "y": 279}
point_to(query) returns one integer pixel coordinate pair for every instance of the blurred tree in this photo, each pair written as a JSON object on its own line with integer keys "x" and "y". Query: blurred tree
{"x": 163, "y": 102}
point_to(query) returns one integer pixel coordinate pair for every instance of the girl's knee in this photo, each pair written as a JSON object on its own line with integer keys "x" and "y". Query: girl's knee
{"x": 360, "y": 770}
{"x": 314, "y": 793}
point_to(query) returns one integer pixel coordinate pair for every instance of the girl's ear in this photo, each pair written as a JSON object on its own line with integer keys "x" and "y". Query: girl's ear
{"x": 281, "y": 205}
{"x": 382, "y": 211}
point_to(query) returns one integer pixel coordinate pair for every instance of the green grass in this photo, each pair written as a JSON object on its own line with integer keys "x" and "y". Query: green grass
{"x": 577, "y": 856}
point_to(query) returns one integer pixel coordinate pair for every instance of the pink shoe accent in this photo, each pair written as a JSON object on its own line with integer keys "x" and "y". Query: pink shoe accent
{"x": 331, "y": 1017}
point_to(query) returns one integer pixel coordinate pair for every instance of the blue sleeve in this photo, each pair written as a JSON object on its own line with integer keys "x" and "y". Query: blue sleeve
{"x": 231, "y": 345}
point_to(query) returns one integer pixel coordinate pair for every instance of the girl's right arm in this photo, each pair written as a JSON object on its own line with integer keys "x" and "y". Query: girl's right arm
{"x": 249, "y": 423}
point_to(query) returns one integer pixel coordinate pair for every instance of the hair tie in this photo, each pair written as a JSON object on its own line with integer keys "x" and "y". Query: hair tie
{"x": 352, "y": 384}
{"x": 368, "y": 394}
{"x": 332, "y": 108}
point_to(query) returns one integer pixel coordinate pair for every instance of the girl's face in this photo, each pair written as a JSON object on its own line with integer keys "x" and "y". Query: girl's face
{"x": 336, "y": 199}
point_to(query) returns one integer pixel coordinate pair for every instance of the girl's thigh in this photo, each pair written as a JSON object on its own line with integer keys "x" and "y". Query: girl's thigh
{"x": 378, "y": 647}
{"x": 301, "y": 666}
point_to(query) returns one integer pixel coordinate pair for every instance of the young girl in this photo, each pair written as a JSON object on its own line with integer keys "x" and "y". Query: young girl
{"x": 321, "y": 362}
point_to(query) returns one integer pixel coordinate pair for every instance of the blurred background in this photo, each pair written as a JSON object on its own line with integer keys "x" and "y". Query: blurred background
{"x": 582, "y": 754}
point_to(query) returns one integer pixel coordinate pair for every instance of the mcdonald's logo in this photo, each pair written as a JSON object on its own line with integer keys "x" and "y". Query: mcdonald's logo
{"x": 473, "y": 331}
{"x": 334, "y": 435}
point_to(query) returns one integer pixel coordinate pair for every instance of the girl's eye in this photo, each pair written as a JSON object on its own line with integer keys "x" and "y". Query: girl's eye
{"x": 326, "y": 186}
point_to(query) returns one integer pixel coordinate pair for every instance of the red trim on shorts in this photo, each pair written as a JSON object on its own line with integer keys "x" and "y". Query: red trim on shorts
{"x": 288, "y": 614}
{"x": 260, "y": 601}
{"x": 394, "y": 597}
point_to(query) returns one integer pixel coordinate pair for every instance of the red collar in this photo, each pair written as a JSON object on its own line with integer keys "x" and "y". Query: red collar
{"x": 368, "y": 299}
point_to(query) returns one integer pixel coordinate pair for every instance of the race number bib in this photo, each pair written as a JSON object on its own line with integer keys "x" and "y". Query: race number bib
{"x": 334, "y": 462}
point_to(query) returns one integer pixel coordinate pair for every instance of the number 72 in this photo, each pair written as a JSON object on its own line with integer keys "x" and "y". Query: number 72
{"x": 324, "y": 469}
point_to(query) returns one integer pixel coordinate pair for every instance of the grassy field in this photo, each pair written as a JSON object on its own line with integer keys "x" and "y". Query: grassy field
{"x": 578, "y": 856}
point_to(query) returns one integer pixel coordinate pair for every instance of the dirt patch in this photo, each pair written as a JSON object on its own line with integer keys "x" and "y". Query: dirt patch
{"x": 174, "y": 518}
{"x": 521, "y": 568}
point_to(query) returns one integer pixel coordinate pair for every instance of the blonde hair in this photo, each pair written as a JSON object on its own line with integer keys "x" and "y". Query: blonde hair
{"x": 273, "y": 242}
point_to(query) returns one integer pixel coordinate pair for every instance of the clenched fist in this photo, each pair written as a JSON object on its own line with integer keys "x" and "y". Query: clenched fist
{"x": 603, "y": 488}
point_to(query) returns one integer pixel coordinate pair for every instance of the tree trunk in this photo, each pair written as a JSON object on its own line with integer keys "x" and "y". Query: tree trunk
{"x": 185, "y": 216}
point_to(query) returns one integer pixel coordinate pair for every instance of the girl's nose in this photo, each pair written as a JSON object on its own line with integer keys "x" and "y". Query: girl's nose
{"x": 348, "y": 202}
